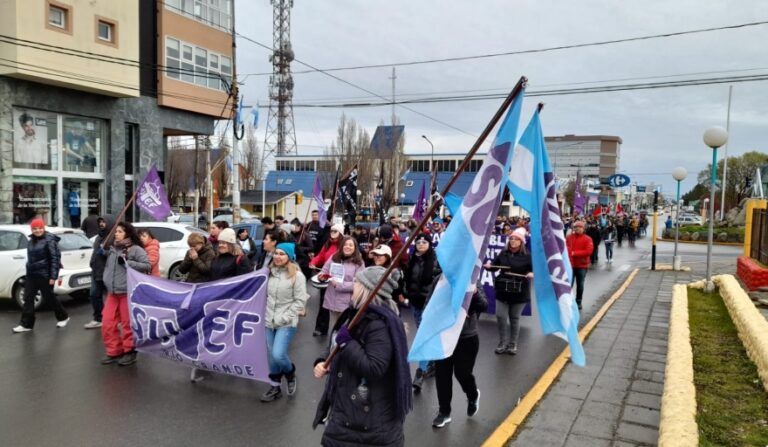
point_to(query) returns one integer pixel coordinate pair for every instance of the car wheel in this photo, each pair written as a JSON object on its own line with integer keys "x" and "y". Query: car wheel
{"x": 176, "y": 275}
{"x": 18, "y": 295}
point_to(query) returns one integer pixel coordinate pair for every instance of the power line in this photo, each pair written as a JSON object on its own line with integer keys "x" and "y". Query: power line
{"x": 530, "y": 51}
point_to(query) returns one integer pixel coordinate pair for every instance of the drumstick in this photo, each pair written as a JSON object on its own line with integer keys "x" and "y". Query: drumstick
{"x": 504, "y": 267}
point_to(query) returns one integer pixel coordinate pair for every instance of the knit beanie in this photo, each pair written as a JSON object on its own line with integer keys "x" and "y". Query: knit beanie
{"x": 423, "y": 237}
{"x": 289, "y": 248}
{"x": 370, "y": 276}
{"x": 37, "y": 223}
{"x": 338, "y": 227}
{"x": 519, "y": 234}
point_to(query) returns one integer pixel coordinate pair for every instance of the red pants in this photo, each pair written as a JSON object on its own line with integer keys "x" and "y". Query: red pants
{"x": 116, "y": 312}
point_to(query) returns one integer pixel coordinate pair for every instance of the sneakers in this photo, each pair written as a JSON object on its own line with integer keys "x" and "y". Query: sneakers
{"x": 128, "y": 359}
{"x": 418, "y": 381}
{"x": 441, "y": 420}
{"x": 501, "y": 348}
{"x": 317, "y": 333}
{"x": 473, "y": 405}
{"x": 93, "y": 324}
{"x": 197, "y": 375}
{"x": 430, "y": 372}
{"x": 110, "y": 359}
{"x": 512, "y": 349}
{"x": 62, "y": 324}
{"x": 19, "y": 329}
{"x": 272, "y": 394}
{"x": 291, "y": 383}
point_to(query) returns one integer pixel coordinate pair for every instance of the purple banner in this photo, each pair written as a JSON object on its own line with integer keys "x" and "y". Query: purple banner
{"x": 217, "y": 326}
{"x": 421, "y": 202}
{"x": 317, "y": 194}
{"x": 151, "y": 196}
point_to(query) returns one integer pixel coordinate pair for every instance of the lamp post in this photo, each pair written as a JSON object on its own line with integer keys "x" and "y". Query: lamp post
{"x": 432, "y": 156}
{"x": 679, "y": 174}
{"x": 714, "y": 137}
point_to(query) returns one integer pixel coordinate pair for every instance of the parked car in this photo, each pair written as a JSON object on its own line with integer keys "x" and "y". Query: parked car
{"x": 74, "y": 277}
{"x": 173, "y": 245}
{"x": 255, "y": 230}
{"x": 690, "y": 220}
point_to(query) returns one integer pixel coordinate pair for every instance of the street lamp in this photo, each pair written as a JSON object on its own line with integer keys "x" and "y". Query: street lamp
{"x": 679, "y": 174}
{"x": 432, "y": 156}
{"x": 714, "y": 137}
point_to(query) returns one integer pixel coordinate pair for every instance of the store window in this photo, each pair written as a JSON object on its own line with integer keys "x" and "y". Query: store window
{"x": 83, "y": 139}
{"x": 81, "y": 198}
{"x": 34, "y": 135}
{"x": 34, "y": 197}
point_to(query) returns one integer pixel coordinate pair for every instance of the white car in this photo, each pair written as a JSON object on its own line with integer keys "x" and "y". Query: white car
{"x": 690, "y": 220}
{"x": 75, "y": 257}
{"x": 173, "y": 245}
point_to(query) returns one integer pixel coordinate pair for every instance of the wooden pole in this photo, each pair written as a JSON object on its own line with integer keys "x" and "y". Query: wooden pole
{"x": 119, "y": 219}
{"x": 516, "y": 91}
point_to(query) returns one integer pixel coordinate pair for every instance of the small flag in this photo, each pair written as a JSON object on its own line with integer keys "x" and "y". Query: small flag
{"x": 619, "y": 209}
{"x": 421, "y": 202}
{"x": 597, "y": 211}
{"x": 578, "y": 200}
{"x": 317, "y": 194}
{"x": 151, "y": 196}
{"x": 405, "y": 175}
{"x": 255, "y": 115}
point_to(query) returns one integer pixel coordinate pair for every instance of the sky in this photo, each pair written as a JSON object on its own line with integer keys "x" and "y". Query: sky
{"x": 660, "y": 128}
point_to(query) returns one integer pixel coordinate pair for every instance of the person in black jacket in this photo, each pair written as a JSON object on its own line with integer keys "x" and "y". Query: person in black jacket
{"x": 461, "y": 364}
{"x": 420, "y": 272}
{"x": 593, "y": 231}
{"x": 368, "y": 392}
{"x": 43, "y": 264}
{"x": 98, "y": 261}
{"x": 247, "y": 244}
{"x": 512, "y": 289}
{"x": 230, "y": 260}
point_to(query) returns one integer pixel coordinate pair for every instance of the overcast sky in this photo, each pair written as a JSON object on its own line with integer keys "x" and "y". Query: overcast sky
{"x": 661, "y": 128}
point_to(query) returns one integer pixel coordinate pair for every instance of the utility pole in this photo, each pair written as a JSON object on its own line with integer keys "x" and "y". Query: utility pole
{"x": 653, "y": 229}
{"x": 235, "y": 93}
{"x": 724, "y": 186}
{"x": 280, "y": 135}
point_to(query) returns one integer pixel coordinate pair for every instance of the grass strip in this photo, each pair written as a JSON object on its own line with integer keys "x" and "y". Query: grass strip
{"x": 732, "y": 404}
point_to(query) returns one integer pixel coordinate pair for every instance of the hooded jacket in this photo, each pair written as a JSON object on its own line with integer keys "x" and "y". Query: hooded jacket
{"x": 419, "y": 275}
{"x": 43, "y": 256}
{"x": 286, "y": 297}
{"x": 116, "y": 274}
{"x": 99, "y": 255}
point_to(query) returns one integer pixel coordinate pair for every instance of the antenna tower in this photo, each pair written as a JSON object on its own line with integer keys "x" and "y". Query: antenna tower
{"x": 281, "y": 135}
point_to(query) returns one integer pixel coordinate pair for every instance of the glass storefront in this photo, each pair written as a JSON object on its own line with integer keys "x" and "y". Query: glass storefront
{"x": 58, "y": 167}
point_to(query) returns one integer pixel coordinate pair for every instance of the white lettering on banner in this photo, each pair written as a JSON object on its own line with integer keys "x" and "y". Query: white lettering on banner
{"x": 150, "y": 194}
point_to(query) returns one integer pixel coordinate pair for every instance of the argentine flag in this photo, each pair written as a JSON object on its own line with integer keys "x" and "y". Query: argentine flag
{"x": 462, "y": 248}
{"x": 532, "y": 184}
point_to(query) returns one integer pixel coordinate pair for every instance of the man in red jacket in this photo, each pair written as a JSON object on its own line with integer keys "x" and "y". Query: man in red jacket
{"x": 579, "y": 250}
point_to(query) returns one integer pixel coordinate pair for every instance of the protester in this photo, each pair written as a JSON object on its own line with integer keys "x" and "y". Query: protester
{"x": 513, "y": 291}
{"x": 620, "y": 230}
{"x": 268, "y": 224}
{"x": 247, "y": 244}
{"x": 461, "y": 363}
{"x": 271, "y": 239}
{"x": 90, "y": 224}
{"x": 152, "y": 247}
{"x": 126, "y": 251}
{"x": 609, "y": 236}
{"x": 97, "y": 263}
{"x": 579, "y": 251}
{"x": 632, "y": 230}
{"x": 368, "y": 391}
{"x": 42, "y": 270}
{"x": 348, "y": 262}
{"x": 279, "y": 220}
{"x": 316, "y": 234}
{"x": 286, "y": 301}
{"x": 301, "y": 237}
{"x": 328, "y": 249}
{"x": 386, "y": 237}
{"x": 197, "y": 262}
{"x": 421, "y": 271}
{"x": 594, "y": 233}
{"x": 214, "y": 229}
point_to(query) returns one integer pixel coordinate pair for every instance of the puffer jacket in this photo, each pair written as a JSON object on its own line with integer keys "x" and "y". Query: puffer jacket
{"x": 198, "y": 270}
{"x": 579, "y": 250}
{"x": 227, "y": 265}
{"x": 99, "y": 255}
{"x": 325, "y": 254}
{"x": 286, "y": 297}
{"x": 419, "y": 275}
{"x": 44, "y": 256}
{"x": 116, "y": 274}
{"x": 152, "y": 247}
{"x": 338, "y": 297}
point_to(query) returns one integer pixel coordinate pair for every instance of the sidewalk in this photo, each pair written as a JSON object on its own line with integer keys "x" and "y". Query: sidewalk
{"x": 615, "y": 400}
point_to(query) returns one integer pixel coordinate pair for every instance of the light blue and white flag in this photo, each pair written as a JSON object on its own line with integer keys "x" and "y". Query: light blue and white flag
{"x": 532, "y": 184}
{"x": 462, "y": 248}
{"x": 255, "y": 115}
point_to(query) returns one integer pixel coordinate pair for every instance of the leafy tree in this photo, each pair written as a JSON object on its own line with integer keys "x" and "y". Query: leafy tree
{"x": 739, "y": 169}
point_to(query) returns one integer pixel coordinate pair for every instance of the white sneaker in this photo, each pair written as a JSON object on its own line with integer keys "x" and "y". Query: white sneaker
{"x": 62, "y": 323}
{"x": 93, "y": 324}
{"x": 19, "y": 329}
{"x": 196, "y": 376}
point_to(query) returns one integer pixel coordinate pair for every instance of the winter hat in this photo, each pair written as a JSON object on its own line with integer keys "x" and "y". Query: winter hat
{"x": 519, "y": 234}
{"x": 289, "y": 248}
{"x": 578, "y": 223}
{"x": 385, "y": 232}
{"x": 288, "y": 228}
{"x": 382, "y": 250}
{"x": 338, "y": 227}
{"x": 37, "y": 223}
{"x": 227, "y": 235}
{"x": 370, "y": 276}
{"x": 423, "y": 237}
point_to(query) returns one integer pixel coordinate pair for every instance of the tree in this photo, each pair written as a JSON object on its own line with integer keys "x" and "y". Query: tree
{"x": 252, "y": 160}
{"x": 699, "y": 192}
{"x": 739, "y": 168}
{"x": 350, "y": 149}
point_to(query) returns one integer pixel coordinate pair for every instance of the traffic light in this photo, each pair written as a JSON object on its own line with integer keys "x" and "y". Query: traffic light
{"x": 299, "y": 198}
{"x": 748, "y": 182}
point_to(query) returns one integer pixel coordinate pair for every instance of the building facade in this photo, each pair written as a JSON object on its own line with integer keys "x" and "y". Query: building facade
{"x": 596, "y": 156}
{"x": 90, "y": 91}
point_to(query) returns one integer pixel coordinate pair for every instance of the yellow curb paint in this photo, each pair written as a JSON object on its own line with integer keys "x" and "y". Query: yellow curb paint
{"x": 668, "y": 267}
{"x": 677, "y": 425}
{"x": 509, "y": 426}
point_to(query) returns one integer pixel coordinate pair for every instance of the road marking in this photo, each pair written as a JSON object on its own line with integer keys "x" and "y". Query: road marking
{"x": 509, "y": 426}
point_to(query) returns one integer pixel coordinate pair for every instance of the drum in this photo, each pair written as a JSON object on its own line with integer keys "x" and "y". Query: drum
{"x": 319, "y": 283}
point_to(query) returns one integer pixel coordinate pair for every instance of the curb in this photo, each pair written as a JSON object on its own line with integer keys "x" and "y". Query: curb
{"x": 678, "y": 425}
{"x": 509, "y": 426}
{"x": 680, "y": 241}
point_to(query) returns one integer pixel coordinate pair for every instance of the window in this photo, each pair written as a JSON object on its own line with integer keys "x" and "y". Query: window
{"x": 474, "y": 165}
{"x": 73, "y": 241}
{"x": 196, "y": 65}
{"x": 284, "y": 165}
{"x": 163, "y": 234}
{"x": 105, "y": 31}
{"x": 446, "y": 165}
{"x": 59, "y": 17}
{"x": 11, "y": 240}
{"x": 83, "y": 139}
{"x": 214, "y": 13}
{"x": 305, "y": 165}
{"x": 201, "y": 67}
{"x": 326, "y": 165}
{"x": 420, "y": 166}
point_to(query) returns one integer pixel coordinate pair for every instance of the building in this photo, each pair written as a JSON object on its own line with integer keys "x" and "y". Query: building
{"x": 596, "y": 156}
{"x": 90, "y": 91}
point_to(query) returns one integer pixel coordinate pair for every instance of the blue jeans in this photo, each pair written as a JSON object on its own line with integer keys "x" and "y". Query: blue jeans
{"x": 97, "y": 298}
{"x": 417, "y": 314}
{"x": 579, "y": 276}
{"x": 278, "y": 341}
{"x": 609, "y": 250}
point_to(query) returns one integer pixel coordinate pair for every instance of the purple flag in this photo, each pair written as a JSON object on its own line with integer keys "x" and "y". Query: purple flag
{"x": 151, "y": 196}
{"x": 578, "y": 200}
{"x": 317, "y": 194}
{"x": 421, "y": 202}
{"x": 217, "y": 326}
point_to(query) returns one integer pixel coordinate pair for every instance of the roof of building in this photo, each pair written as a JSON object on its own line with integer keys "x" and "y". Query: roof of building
{"x": 291, "y": 181}
{"x": 415, "y": 179}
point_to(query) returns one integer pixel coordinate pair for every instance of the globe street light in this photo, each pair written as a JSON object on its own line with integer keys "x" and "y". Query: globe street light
{"x": 714, "y": 137}
{"x": 679, "y": 174}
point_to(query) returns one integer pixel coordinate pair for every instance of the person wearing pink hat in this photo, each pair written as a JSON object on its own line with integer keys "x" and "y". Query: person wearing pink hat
{"x": 329, "y": 248}
{"x": 580, "y": 248}
{"x": 43, "y": 263}
{"x": 512, "y": 286}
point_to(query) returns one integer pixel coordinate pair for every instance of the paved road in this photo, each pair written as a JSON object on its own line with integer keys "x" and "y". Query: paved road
{"x": 54, "y": 392}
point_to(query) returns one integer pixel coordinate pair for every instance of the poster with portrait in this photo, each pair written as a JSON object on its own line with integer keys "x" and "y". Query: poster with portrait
{"x": 30, "y": 138}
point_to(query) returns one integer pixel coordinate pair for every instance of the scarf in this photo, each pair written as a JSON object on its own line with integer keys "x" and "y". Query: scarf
{"x": 123, "y": 246}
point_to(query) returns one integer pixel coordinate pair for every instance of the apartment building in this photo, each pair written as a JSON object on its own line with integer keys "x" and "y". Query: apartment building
{"x": 90, "y": 91}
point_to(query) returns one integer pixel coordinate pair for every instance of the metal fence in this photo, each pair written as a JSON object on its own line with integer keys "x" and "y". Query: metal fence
{"x": 759, "y": 243}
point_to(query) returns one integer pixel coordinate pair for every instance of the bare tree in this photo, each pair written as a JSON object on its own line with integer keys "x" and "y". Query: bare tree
{"x": 350, "y": 149}
{"x": 252, "y": 159}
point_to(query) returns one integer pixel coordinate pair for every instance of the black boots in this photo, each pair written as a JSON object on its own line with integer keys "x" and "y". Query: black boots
{"x": 274, "y": 392}
{"x": 291, "y": 380}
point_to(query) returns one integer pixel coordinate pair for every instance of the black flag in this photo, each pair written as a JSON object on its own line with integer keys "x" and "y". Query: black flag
{"x": 348, "y": 190}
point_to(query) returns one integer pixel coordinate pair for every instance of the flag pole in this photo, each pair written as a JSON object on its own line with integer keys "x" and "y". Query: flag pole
{"x": 119, "y": 218}
{"x": 480, "y": 140}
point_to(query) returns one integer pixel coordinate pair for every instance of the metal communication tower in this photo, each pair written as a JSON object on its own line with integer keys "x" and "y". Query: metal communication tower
{"x": 281, "y": 135}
